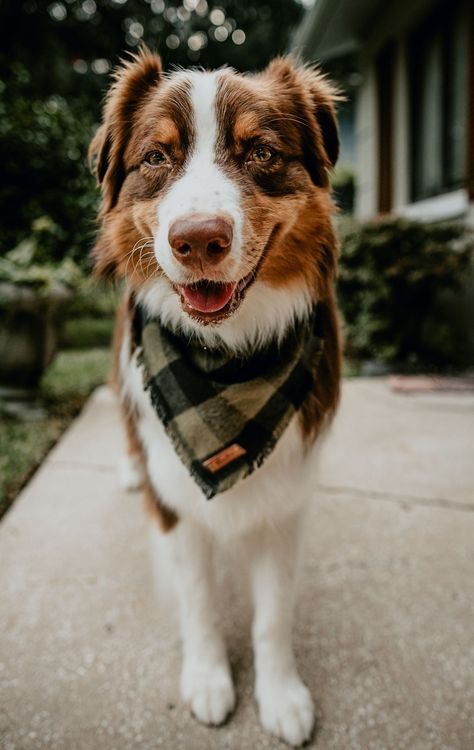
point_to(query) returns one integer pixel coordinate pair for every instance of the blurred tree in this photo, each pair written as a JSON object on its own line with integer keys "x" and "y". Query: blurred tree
{"x": 55, "y": 58}
{"x": 43, "y": 148}
{"x": 69, "y": 46}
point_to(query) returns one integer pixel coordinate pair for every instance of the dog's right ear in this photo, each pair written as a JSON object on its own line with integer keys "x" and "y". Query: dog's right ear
{"x": 134, "y": 80}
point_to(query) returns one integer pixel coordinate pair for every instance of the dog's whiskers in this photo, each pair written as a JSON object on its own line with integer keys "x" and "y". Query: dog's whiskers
{"x": 138, "y": 247}
{"x": 151, "y": 260}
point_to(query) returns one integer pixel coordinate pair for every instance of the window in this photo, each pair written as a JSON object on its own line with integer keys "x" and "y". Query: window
{"x": 437, "y": 68}
{"x": 385, "y": 76}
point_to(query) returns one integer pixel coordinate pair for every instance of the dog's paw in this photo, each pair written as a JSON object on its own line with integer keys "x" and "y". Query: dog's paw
{"x": 286, "y": 709}
{"x": 209, "y": 692}
{"x": 131, "y": 473}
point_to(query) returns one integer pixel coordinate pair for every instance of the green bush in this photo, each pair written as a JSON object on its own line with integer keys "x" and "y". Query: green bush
{"x": 403, "y": 293}
{"x": 31, "y": 262}
{"x": 96, "y": 299}
{"x": 87, "y": 333}
{"x": 43, "y": 152}
{"x": 343, "y": 188}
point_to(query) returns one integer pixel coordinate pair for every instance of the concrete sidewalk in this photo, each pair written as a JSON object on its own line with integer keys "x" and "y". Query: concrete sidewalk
{"x": 384, "y": 628}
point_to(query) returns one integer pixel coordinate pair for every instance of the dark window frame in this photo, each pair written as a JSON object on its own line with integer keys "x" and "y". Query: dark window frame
{"x": 440, "y": 24}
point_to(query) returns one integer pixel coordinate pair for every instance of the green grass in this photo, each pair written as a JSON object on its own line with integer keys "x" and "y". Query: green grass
{"x": 350, "y": 368}
{"x": 87, "y": 332}
{"x": 74, "y": 374}
{"x": 66, "y": 386}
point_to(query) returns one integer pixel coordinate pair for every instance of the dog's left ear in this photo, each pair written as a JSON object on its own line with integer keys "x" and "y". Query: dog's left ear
{"x": 315, "y": 99}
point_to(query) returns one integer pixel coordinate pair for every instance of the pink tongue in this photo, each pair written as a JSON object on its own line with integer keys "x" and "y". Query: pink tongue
{"x": 208, "y": 296}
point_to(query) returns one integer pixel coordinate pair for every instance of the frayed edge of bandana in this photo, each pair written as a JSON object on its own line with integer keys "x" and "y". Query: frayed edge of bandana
{"x": 264, "y": 453}
{"x": 270, "y": 445}
{"x": 157, "y": 404}
{"x": 209, "y": 491}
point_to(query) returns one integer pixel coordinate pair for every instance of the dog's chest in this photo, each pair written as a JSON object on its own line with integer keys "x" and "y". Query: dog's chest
{"x": 275, "y": 490}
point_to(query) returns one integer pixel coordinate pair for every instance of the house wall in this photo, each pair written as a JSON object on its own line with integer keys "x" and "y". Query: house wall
{"x": 390, "y": 23}
{"x": 366, "y": 148}
{"x": 395, "y": 23}
{"x": 400, "y": 173}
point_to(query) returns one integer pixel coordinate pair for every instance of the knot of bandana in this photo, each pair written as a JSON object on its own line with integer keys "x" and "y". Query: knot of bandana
{"x": 224, "y": 414}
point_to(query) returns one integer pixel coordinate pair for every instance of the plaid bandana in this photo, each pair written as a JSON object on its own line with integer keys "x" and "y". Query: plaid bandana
{"x": 224, "y": 414}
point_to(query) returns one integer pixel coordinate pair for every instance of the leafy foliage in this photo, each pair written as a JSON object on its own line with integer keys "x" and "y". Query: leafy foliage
{"x": 82, "y": 38}
{"x": 43, "y": 151}
{"x": 31, "y": 262}
{"x": 401, "y": 292}
{"x": 343, "y": 187}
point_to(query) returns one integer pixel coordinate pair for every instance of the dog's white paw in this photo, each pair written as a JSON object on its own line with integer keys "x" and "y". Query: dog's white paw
{"x": 286, "y": 709}
{"x": 131, "y": 472}
{"x": 209, "y": 691}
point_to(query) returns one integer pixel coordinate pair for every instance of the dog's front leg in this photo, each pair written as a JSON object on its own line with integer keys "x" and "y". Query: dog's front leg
{"x": 285, "y": 704}
{"x": 206, "y": 683}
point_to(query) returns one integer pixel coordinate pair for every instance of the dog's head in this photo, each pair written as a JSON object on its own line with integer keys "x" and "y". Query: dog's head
{"x": 215, "y": 186}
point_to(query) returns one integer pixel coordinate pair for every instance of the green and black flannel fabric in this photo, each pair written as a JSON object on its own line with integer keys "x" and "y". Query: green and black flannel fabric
{"x": 224, "y": 414}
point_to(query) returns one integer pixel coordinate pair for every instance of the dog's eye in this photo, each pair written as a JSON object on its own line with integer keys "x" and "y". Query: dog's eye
{"x": 154, "y": 158}
{"x": 262, "y": 154}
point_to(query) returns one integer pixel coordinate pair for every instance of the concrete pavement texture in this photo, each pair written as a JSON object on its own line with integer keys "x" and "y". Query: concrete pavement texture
{"x": 384, "y": 629}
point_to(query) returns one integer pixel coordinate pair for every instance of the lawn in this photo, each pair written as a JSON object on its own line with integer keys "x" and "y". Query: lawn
{"x": 65, "y": 388}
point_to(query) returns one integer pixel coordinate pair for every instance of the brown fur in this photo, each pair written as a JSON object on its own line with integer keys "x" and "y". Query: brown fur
{"x": 165, "y": 517}
{"x": 134, "y": 121}
{"x": 320, "y": 406}
{"x": 133, "y": 83}
{"x": 287, "y": 203}
{"x": 305, "y": 249}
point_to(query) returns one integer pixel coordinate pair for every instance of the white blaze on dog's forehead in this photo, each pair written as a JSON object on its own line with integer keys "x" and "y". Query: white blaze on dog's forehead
{"x": 208, "y": 187}
{"x": 203, "y": 187}
{"x": 203, "y": 101}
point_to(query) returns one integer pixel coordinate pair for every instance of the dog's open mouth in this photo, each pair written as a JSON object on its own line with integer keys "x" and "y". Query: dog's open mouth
{"x": 207, "y": 296}
{"x": 211, "y": 301}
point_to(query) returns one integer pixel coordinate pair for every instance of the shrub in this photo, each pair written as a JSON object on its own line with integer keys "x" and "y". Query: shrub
{"x": 403, "y": 293}
{"x": 343, "y": 187}
{"x": 43, "y": 152}
{"x": 31, "y": 262}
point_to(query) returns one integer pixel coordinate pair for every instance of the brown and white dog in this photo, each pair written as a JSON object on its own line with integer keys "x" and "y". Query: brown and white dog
{"x": 217, "y": 213}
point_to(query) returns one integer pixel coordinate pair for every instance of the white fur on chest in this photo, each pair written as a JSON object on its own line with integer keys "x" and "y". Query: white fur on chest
{"x": 273, "y": 492}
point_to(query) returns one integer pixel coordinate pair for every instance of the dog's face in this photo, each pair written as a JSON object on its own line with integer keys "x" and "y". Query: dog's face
{"x": 215, "y": 181}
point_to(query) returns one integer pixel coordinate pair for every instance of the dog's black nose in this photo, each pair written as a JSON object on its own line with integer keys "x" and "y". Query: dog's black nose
{"x": 200, "y": 240}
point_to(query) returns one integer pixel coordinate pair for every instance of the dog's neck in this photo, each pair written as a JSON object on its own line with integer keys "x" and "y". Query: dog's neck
{"x": 265, "y": 316}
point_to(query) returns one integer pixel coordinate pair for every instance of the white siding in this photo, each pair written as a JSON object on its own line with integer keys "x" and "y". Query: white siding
{"x": 366, "y": 138}
{"x": 401, "y": 132}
